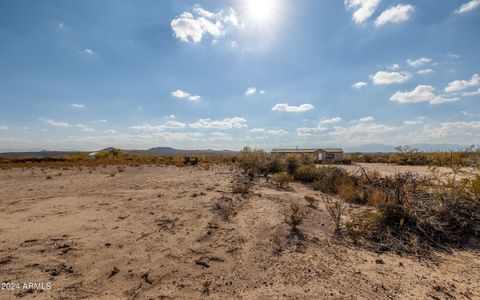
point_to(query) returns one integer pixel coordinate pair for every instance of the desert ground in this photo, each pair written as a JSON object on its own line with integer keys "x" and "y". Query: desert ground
{"x": 167, "y": 232}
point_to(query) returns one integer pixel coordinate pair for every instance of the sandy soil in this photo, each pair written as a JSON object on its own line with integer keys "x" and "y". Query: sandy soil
{"x": 156, "y": 233}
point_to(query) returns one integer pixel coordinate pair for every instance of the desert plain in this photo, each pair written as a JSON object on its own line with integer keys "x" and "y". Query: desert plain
{"x": 168, "y": 232}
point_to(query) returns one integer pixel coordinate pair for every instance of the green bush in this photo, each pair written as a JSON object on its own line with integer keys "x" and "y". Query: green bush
{"x": 282, "y": 179}
{"x": 307, "y": 173}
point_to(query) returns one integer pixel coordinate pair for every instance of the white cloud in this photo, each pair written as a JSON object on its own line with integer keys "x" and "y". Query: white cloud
{"x": 74, "y": 105}
{"x": 422, "y": 93}
{"x": 307, "y": 131}
{"x": 170, "y": 124}
{"x": 195, "y": 98}
{"x": 228, "y": 123}
{"x": 453, "y": 56}
{"x": 292, "y": 108}
{"x": 394, "y": 67}
{"x": 184, "y": 95}
{"x": 359, "y": 85}
{"x": 191, "y": 27}
{"x": 250, "y": 91}
{"x": 425, "y": 71}
{"x": 384, "y": 77}
{"x": 99, "y": 121}
{"x": 110, "y": 131}
{"x": 364, "y": 9}
{"x": 85, "y": 128}
{"x": 257, "y": 130}
{"x": 459, "y": 85}
{"x": 366, "y": 119}
{"x": 4, "y": 127}
{"x": 396, "y": 14}
{"x": 278, "y": 132}
{"x": 474, "y": 93}
{"x": 453, "y": 132}
{"x": 419, "y": 62}
{"x": 466, "y": 7}
{"x": 330, "y": 121}
{"x": 55, "y": 123}
{"x": 88, "y": 51}
{"x": 361, "y": 130}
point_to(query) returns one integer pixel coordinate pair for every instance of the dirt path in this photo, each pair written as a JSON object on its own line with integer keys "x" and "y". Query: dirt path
{"x": 159, "y": 233}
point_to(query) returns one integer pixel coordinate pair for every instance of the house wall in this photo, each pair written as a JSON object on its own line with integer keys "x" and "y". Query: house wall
{"x": 337, "y": 156}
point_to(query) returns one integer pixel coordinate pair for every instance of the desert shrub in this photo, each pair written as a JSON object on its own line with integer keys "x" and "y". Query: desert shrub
{"x": 294, "y": 217}
{"x": 415, "y": 215}
{"x": 282, "y": 179}
{"x": 306, "y": 173}
{"x": 292, "y": 164}
{"x": 241, "y": 185}
{"x": 120, "y": 169}
{"x": 329, "y": 179}
{"x": 253, "y": 161}
{"x": 312, "y": 201}
{"x": 336, "y": 209}
{"x": 349, "y": 192}
{"x": 275, "y": 164}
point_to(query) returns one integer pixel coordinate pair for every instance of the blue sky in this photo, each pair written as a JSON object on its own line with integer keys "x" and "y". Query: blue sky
{"x": 225, "y": 74}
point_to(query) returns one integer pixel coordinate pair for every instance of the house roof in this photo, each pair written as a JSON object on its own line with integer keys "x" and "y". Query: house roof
{"x": 294, "y": 150}
{"x": 329, "y": 150}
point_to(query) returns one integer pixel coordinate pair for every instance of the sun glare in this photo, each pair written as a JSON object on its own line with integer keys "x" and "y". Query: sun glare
{"x": 262, "y": 12}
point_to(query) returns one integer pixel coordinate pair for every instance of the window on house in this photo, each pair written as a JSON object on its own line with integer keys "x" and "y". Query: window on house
{"x": 330, "y": 156}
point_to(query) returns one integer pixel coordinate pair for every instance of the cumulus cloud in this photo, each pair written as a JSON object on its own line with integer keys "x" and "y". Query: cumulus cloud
{"x": 250, "y": 91}
{"x": 184, "y": 95}
{"x": 55, "y": 123}
{"x": 359, "y": 85}
{"x": 88, "y": 51}
{"x": 474, "y": 93}
{"x": 453, "y": 132}
{"x": 459, "y": 85}
{"x": 384, "y": 77}
{"x": 75, "y": 105}
{"x": 466, "y": 7}
{"x": 425, "y": 71}
{"x": 292, "y": 108}
{"x": 396, "y": 14}
{"x": 193, "y": 26}
{"x": 330, "y": 121}
{"x": 422, "y": 93}
{"x": 4, "y": 127}
{"x": 228, "y": 123}
{"x": 364, "y": 9}
{"x": 419, "y": 62}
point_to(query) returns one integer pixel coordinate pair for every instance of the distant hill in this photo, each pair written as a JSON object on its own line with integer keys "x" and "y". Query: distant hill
{"x": 371, "y": 148}
{"x": 168, "y": 151}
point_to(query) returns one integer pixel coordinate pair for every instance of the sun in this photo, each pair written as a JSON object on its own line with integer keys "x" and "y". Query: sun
{"x": 261, "y": 12}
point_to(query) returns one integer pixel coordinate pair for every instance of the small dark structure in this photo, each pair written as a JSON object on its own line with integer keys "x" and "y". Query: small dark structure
{"x": 187, "y": 160}
{"x": 320, "y": 155}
